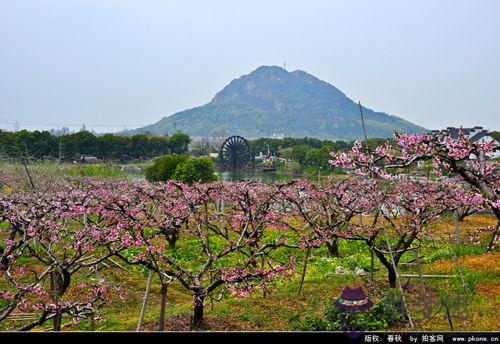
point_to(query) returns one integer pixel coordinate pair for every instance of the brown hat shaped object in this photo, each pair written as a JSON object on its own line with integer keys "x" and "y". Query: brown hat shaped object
{"x": 353, "y": 299}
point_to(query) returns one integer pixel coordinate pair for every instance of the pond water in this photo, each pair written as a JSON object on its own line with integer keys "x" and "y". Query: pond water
{"x": 233, "y": 176}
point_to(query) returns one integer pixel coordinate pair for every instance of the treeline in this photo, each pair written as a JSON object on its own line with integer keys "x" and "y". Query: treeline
{"x": 44, "y": 145}
{"x": 275, "y": 145}
{"x": 307, "y": 151}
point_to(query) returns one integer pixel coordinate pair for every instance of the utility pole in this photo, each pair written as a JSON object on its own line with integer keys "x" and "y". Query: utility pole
{"x": 363, "y": 124}
{"x": 268, "y": 150}
{"x": 60, "y": 150}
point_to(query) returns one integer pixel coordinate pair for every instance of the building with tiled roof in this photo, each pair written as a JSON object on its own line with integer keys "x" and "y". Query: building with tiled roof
{"x": 474, "y": 134}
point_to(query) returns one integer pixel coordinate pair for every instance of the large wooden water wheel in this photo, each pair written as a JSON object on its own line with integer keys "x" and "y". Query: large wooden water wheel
{"x": 236, "y": 153}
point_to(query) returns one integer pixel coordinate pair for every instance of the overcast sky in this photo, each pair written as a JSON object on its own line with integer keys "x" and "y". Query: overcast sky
{"x": 116, "y": 63}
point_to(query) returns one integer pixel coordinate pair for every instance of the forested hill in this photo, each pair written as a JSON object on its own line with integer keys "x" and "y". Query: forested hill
{"x": 271, "y": 100}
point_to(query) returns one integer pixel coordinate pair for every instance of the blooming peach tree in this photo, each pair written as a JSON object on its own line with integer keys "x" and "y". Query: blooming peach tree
{"x": 222, "y": 250}
{"x": 469, "y": 162}
{"x": 61, "y": 235}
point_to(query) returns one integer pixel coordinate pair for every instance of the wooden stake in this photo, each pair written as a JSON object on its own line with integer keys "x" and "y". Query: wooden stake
{"x": 264, "y": 290}
{"x": 428, "y": 276}
{"x": 447, "y": 312}
{"x": 455, "y": 257}
{"x": 144, "y": 301}
{"x": 306, "y": 259}
{"x": 419, "y": 268}
{"x": 397, "y": 279}
{"x": 372, "y": 261}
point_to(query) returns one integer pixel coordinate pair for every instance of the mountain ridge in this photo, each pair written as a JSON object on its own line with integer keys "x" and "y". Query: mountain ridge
{"x": 271, "y": 101}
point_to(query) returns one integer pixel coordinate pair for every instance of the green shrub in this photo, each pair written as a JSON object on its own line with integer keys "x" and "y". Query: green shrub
{"x": 380, "y": 316}
{"x": 181, "y": 168}
{"x": 164, "y": 167}
{"x": 194, "y": 170}
{"x": 292, "y": 167}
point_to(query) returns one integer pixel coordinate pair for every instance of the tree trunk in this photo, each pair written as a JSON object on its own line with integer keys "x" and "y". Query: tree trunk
{"x": 172, "y": 236}
{"x": 93, "y": 325}
{"x": 59, "y": 281}
{"x": 197, "y": 318}
{"x": 57, "y": 320}
{"x": 171, "y": 243}
{"x": 391, "y": 274}
{"x": 163, "y": 306}
{"x": 333, "y": 248}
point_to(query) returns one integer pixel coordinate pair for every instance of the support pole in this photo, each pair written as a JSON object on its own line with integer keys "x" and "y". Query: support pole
{"x": 144, "y": 301}
{"x": 457, "y": 262}
{"x": 304, "y": 269}
{"x": 372, "y": 261}
{"x": 397, "y": 279}
{"x": 419, "y": 270}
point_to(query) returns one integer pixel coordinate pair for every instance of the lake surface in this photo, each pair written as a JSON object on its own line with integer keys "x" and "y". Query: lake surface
{"x": 233, "y": 176}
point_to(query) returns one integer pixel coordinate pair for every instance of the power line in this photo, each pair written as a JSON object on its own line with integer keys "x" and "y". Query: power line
{"x": 17, "y": 123}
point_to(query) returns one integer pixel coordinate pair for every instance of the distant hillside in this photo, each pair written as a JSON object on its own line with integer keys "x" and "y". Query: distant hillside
{"x": 271, "y": 100}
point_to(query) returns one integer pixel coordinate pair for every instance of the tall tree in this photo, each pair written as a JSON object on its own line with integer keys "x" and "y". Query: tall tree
{"x": 179, "y": 142}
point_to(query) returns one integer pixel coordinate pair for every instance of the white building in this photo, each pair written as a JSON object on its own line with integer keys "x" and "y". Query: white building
{"x": 474, "y": 134}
